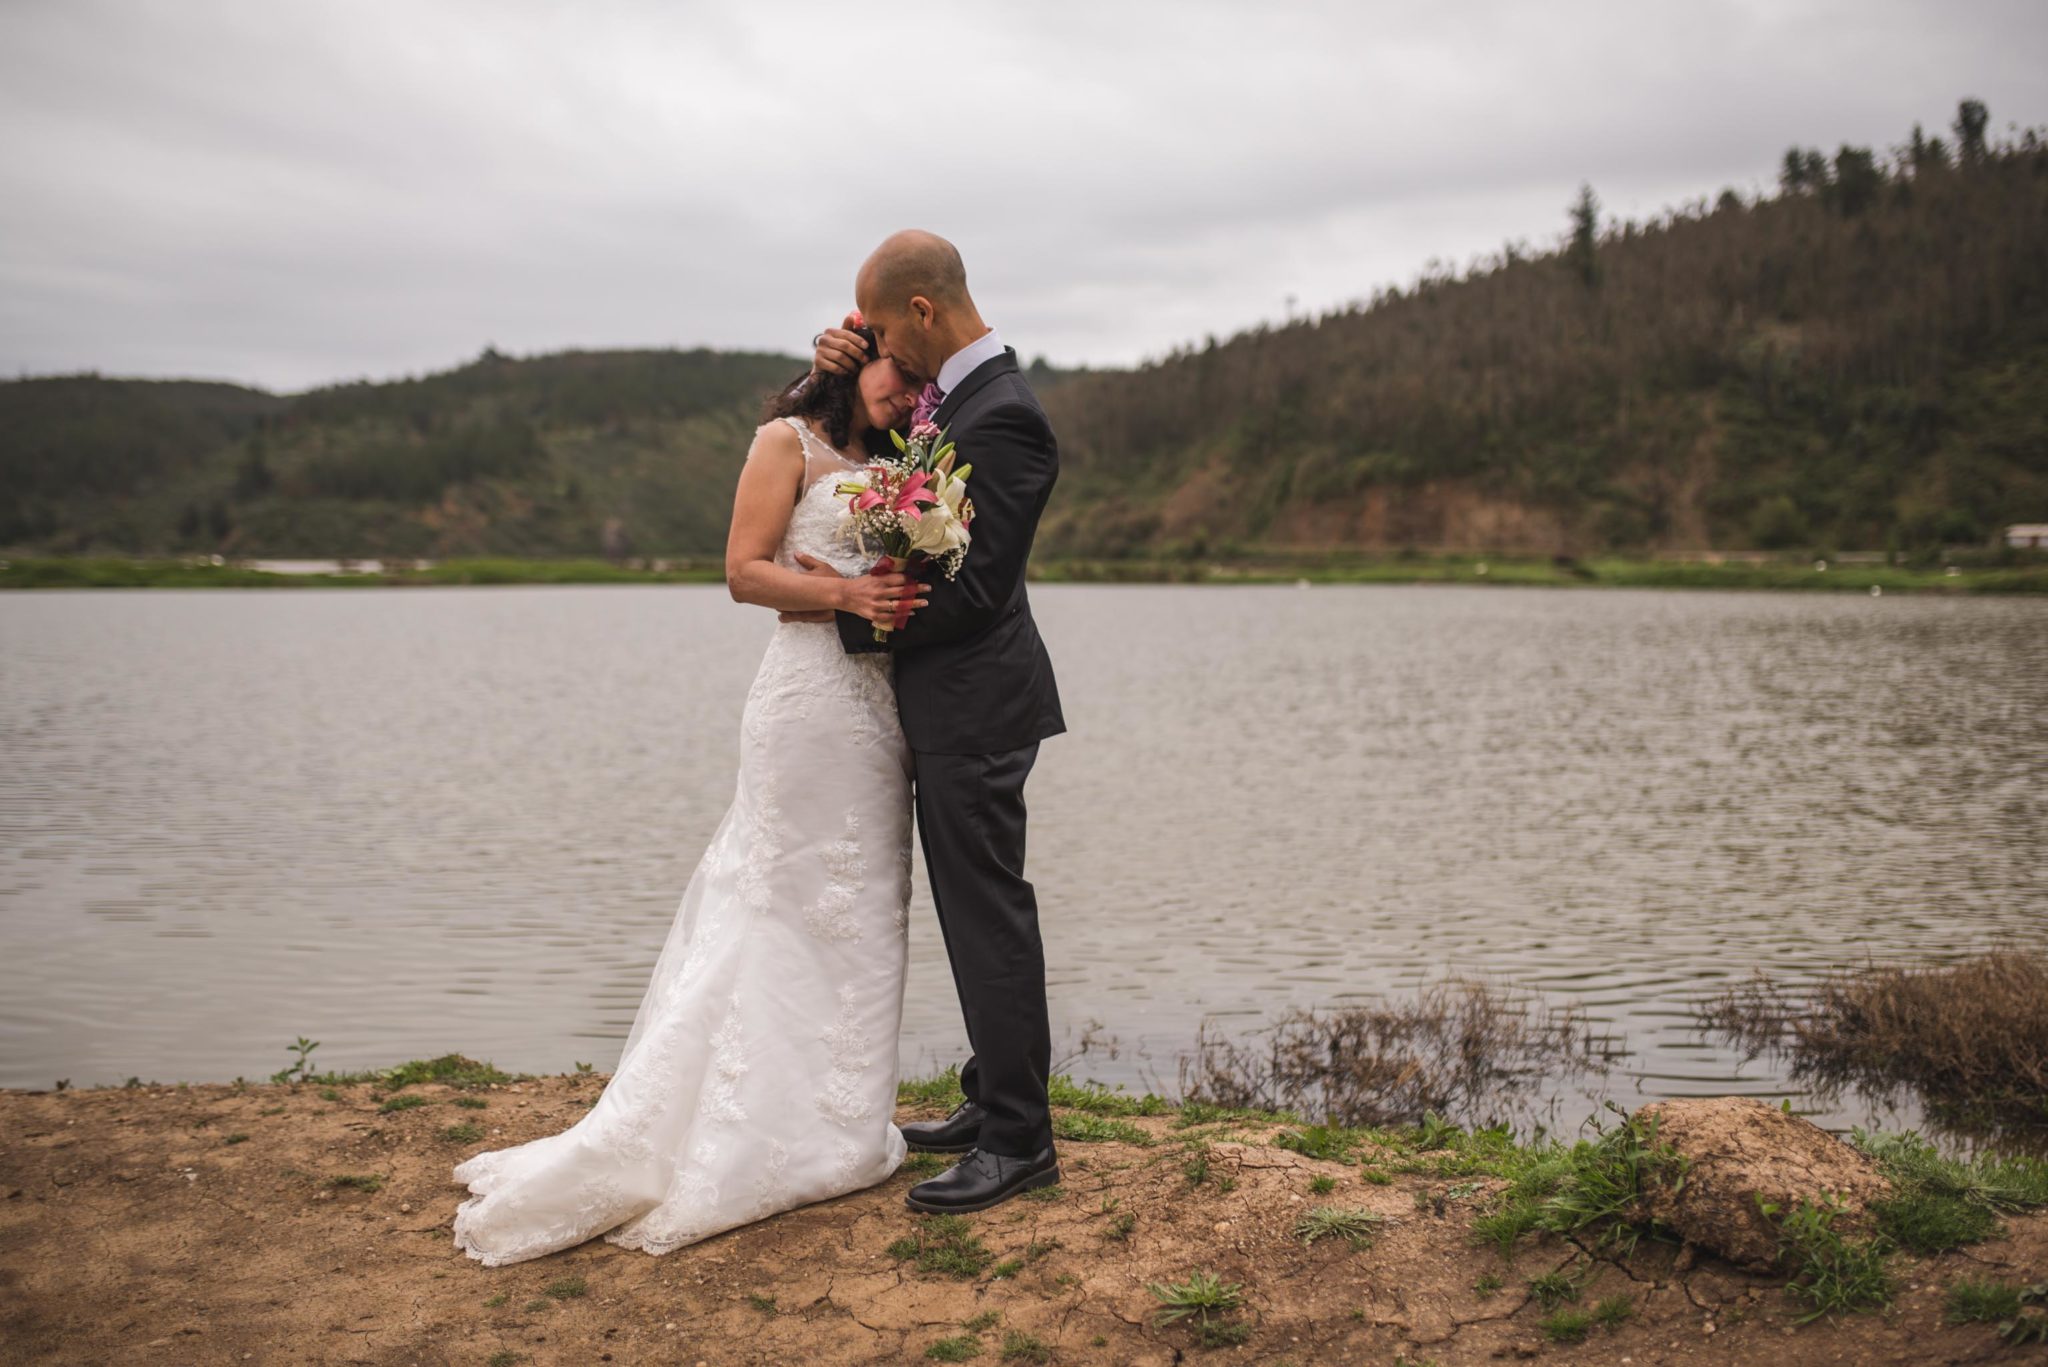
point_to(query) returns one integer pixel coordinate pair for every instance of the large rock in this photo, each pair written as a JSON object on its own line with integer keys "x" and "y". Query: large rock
{"x": 1740, "y": 1151}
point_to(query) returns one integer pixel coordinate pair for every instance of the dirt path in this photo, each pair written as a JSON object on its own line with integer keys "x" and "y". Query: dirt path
{"x": 134, "y": 1227}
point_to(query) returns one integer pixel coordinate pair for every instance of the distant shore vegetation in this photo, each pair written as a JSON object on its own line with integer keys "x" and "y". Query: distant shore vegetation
{"x": 2022, "y": 576}
{"x": 1853, "y": 361}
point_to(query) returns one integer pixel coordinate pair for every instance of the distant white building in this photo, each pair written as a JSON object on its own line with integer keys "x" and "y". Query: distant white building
{"x": 2028, "y": 536}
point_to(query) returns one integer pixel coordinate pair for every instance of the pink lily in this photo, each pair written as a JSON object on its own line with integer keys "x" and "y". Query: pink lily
{"x": 914, "y": 496}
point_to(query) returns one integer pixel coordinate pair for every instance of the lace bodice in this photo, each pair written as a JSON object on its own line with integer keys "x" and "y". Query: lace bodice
{"x": 817, "y": 525}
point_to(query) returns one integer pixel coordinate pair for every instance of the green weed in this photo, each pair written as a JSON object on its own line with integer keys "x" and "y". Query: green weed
{"x": 1829, "y": 1272}
{"x": 943, "y": 1243}
{"x": 1353, "y": 1226}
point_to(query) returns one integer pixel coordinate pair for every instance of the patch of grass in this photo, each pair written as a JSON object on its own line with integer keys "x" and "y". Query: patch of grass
{"x": 495, "y": 1301}
{"x": 1378, "y": 1177}
{"x": 504, "y": 1357}
{"x": 1203, "y": 1304}
{"x": 1097, "y": 1099}
{"x": 1321, "y": 1186}
{"x": 1566, "y": 1326}
{"x": 2011, "y": 1308}
{"x": 404, "y": 1101}
{"x": 236, "y": 1138}
{"x": 1354, "y": 1226}
{"x": 1022, "y": 1347}
{"x": 537, "y": 1303}
{"x": 468, "y": 1103}
{"x": 1046, "y": 1195}
{"x": 1982, "y": 1299}
{"x": 1194, "y": 1113}
{"x": 358, "y": 1181}
{"x": 451, "y": 1070}
{"x": 1943, "y": 1203}
{"x": 329, "y": 1094}
{"x": 987, "y": 1319}
{"x": 1120, "y": 1228}
{"x": 1828, "y": 1272}
{"x": 1553, "y": 1288}
{"x": 466, "y": 1132}
{"x": 1504, "y": 1226}
{"x": 1092, "y": 1129}
{"x": 1333, "y": 1142}
{"x": 1928, "y": 1224}
{"x": 1993, "y": 1182}
{"x": 1008, "y": 1267}
{"x": 946, "y": 1244}
{"x": 1613, "y": 1311}
{"x": 764, "y": 1304}
{"x": 941, "y": 1091}
{"x": 1593, "y": 1184}
{"x": 1488, "y": 1286}
{"x": 923, "y": 1165}
{"x": 958, "y": 1348}
{"x": 565, "y": 1288}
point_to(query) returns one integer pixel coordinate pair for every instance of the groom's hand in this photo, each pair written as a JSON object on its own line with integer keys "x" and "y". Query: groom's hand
{"x": 840, "y": 350}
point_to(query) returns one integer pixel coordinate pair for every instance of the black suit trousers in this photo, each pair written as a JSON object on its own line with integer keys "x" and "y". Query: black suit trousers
{"x": 970, "y": 822}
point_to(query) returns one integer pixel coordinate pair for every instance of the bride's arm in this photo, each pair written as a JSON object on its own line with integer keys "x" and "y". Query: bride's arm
{"x": 770, "y": 483}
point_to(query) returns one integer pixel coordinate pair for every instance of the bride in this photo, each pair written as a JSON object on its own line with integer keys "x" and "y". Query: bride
{"x": 760, "y": 1070}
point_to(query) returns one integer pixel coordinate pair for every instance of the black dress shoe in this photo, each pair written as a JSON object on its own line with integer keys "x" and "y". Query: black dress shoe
{"x": 957, "y": 1133}
{"x": 983, "y": 1179}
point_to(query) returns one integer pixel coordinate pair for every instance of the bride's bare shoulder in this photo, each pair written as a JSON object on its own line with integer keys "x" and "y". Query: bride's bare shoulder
{"x": 776, "y": 440}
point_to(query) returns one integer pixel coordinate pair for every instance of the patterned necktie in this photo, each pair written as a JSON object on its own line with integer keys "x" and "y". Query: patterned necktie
{"x": 928, "y": 401}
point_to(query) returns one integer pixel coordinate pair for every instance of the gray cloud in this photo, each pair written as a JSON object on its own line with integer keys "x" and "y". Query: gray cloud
{"x": 296, "y": 193}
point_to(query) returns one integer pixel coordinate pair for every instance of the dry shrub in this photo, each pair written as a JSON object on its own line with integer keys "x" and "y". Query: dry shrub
{"x": 1455, "y": 1050}
{"x": 1968, "y": 1037}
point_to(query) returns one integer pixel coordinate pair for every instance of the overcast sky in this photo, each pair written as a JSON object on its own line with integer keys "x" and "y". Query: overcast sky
{"x": 291, "y": 193}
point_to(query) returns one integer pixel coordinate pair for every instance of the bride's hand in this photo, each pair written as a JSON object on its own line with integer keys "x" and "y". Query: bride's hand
{"x": 839, "y": 350}
{"x": 881, "y": 598}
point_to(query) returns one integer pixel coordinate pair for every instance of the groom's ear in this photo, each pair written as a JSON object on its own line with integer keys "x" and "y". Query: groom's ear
{"x": 921, "y": 308}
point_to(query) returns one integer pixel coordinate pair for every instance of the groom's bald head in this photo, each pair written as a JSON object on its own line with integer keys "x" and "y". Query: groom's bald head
{"x": 910, "y": 263}
{"x": 913, "y": 292}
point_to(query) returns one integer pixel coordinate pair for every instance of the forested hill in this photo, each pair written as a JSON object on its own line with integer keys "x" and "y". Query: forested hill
{"x": 1857, "y": 361}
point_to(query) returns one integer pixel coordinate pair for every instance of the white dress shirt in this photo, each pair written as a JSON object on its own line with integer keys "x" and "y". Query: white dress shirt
{"x": 962, "y": 363}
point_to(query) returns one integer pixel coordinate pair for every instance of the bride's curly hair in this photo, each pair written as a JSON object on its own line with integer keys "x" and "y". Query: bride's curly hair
{"x": 825, "y": 398}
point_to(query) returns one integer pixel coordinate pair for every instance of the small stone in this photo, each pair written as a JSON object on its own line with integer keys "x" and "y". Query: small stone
{"x": 405, "y": 1207}
{"x": 1707, "y": 1328}
{"x": 670, "y": 1325}
{"x": 1222, "y": 1226}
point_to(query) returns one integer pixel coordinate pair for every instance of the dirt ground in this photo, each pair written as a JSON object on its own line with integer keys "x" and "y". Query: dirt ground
{"x": 133, "y": 1230}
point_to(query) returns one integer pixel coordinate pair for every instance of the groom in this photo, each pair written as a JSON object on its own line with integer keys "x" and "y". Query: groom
{"x": 976, "y": 692}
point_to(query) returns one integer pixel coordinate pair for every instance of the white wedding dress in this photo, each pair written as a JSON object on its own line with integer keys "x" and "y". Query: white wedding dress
{"x": 760, "y": 1071}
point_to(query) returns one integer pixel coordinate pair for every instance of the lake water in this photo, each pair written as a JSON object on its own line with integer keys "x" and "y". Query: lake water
{"x": 408, "y": 821}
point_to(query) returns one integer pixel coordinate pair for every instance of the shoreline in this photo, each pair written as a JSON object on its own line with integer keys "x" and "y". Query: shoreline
{"x": 1858, "y": 576}
{"x": 309, "y": 1220}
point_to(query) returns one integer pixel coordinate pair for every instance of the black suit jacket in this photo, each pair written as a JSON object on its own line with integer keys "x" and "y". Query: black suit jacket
{"x": 972, "y": 675}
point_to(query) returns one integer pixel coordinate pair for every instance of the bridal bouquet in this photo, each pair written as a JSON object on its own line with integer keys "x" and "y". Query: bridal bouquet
{"x": 913, "y": 508}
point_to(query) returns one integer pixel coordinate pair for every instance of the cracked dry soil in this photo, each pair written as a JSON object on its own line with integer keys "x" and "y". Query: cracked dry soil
{"x": 132, "y": 1231}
